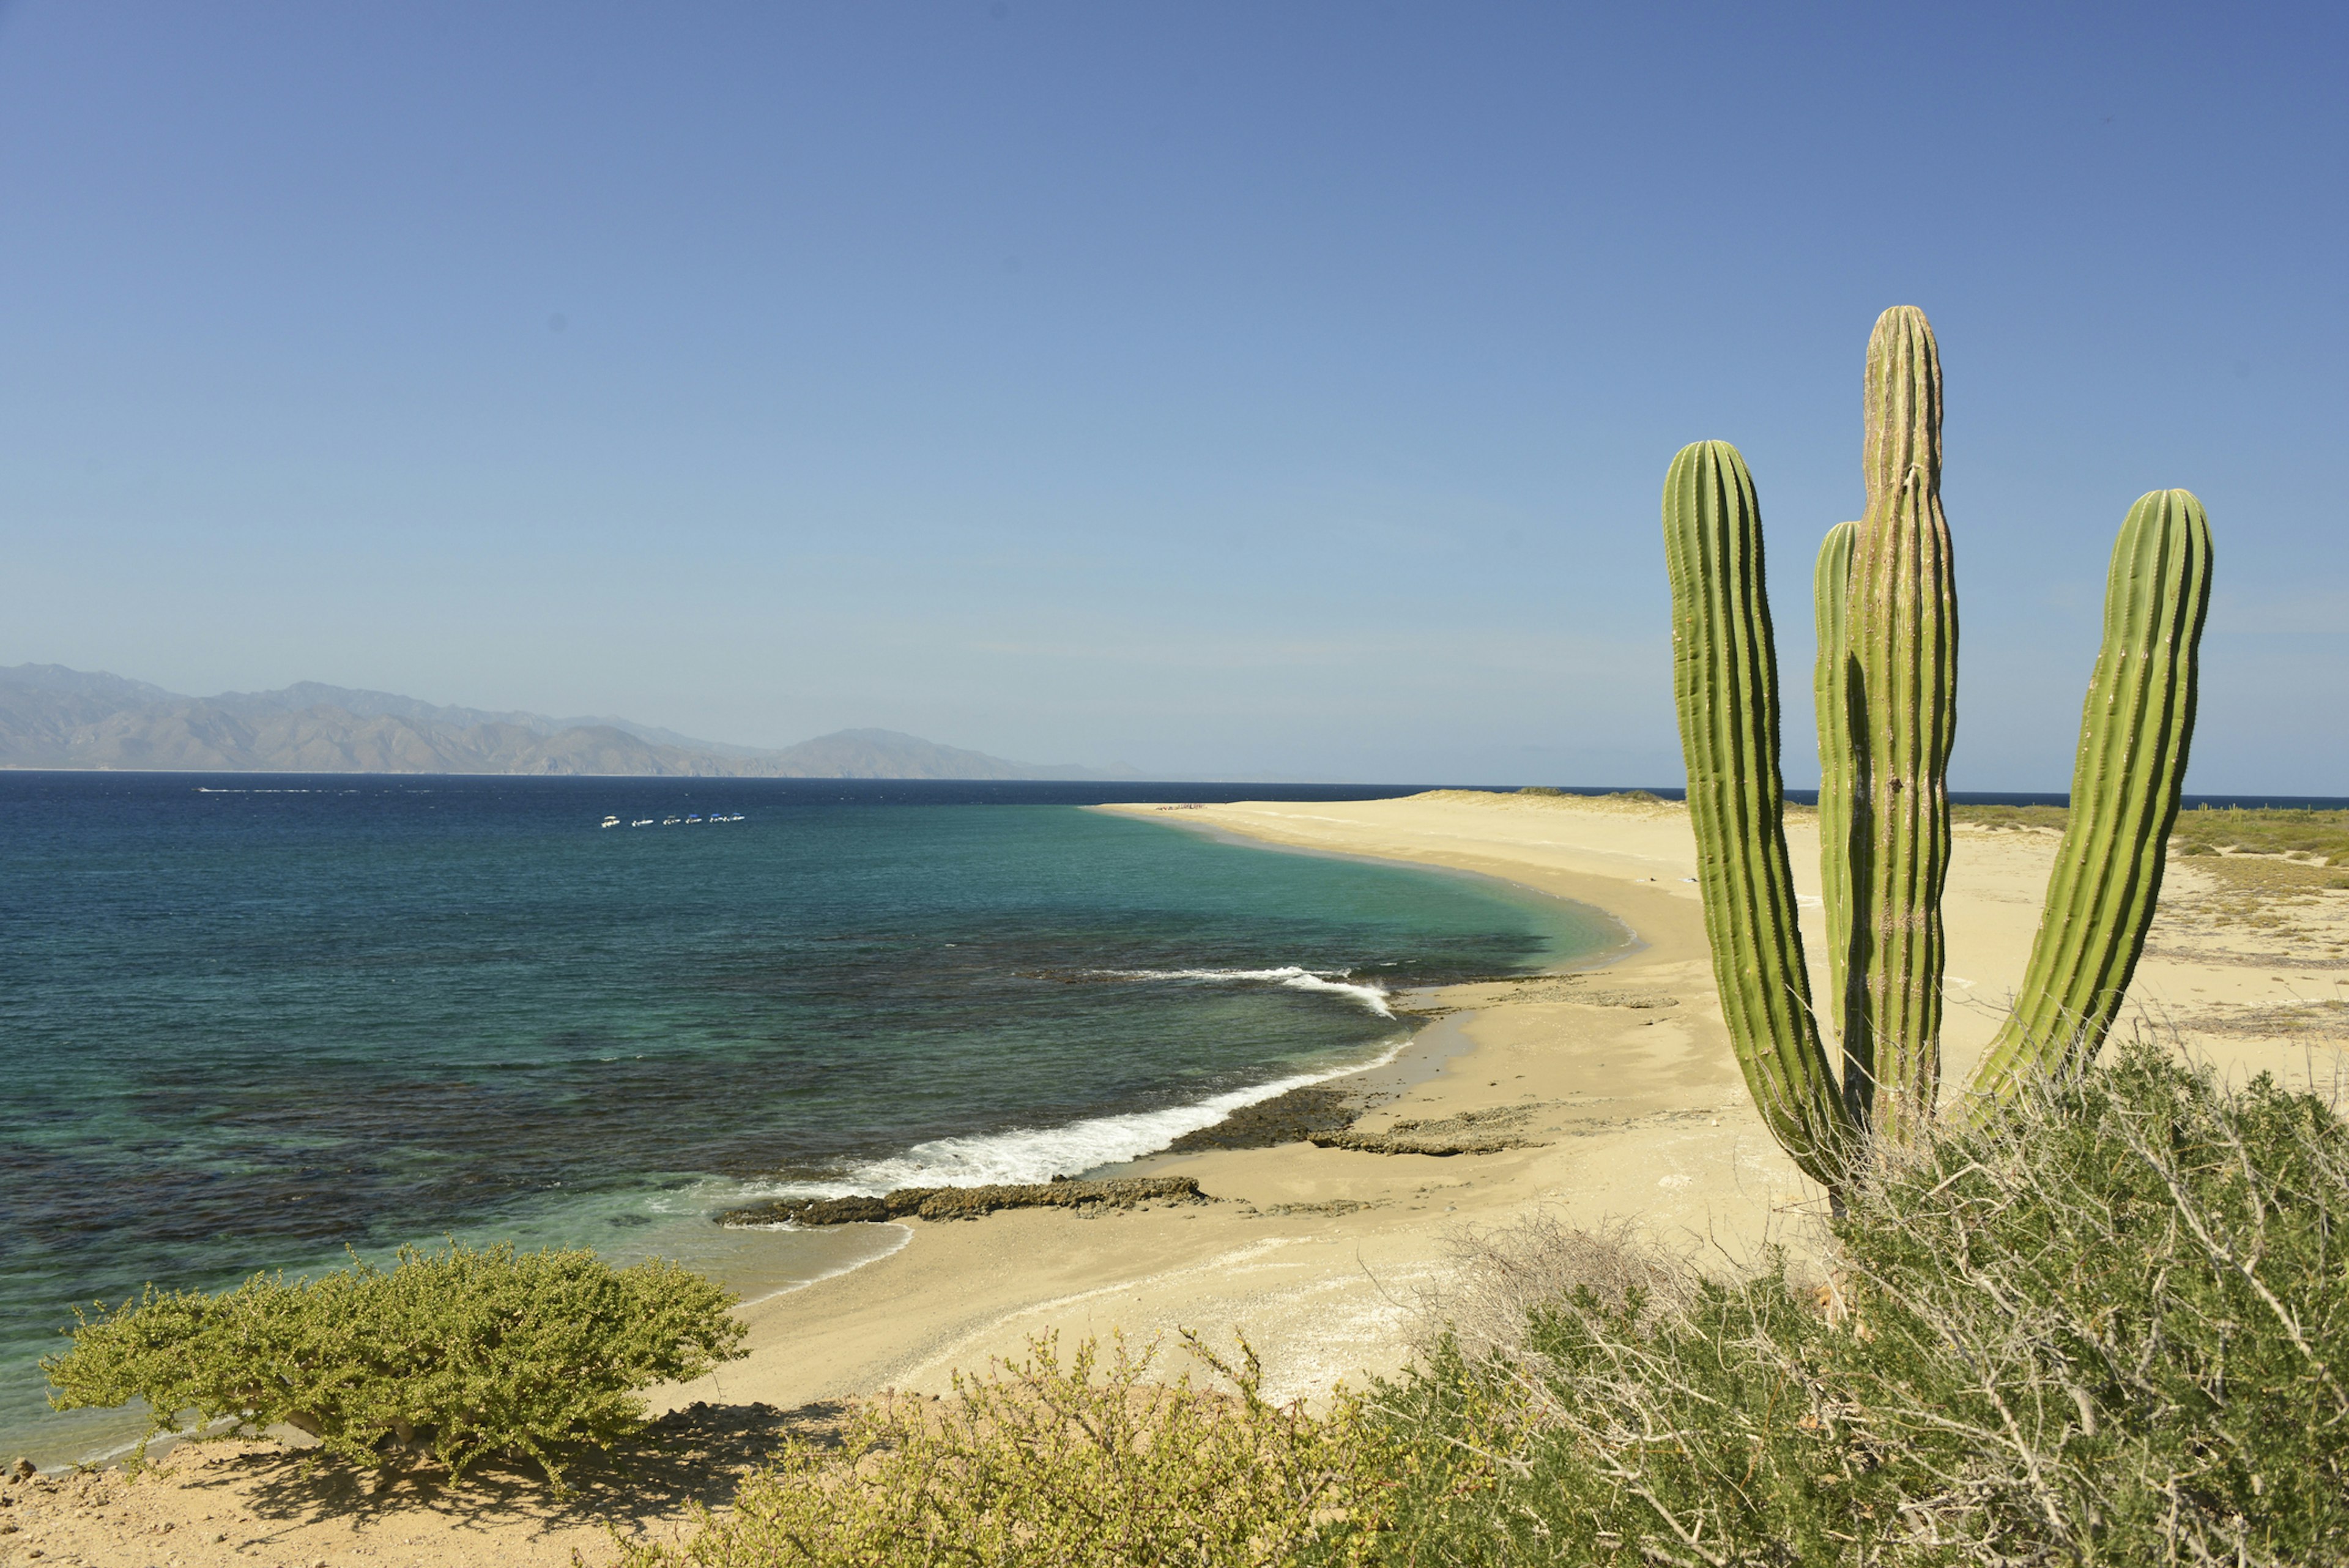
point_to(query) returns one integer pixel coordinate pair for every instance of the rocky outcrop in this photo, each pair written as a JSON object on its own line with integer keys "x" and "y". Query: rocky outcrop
{"x": 1470, "y": 1132}
{"x": 970, "y": 1203}
{"x": 1296, "y": 1116}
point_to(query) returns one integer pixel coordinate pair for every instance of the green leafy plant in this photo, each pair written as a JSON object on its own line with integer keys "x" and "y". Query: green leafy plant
{"x": 1885, "y": 688}
{"x": 1078, "y": 1465}
{"x": 466, "y": 1351}
{"x": 2108, "y": 1324}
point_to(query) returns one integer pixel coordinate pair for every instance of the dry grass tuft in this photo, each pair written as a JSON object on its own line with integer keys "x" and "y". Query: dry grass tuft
{"x": 1499, "y": 1276}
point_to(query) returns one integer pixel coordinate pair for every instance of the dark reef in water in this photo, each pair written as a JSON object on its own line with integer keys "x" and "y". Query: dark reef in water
{"x": 1300, "y": 1116}
{"x": 970, "y": 1203}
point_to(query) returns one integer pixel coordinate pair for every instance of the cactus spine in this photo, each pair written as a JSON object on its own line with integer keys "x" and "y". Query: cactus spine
{"x": 1725, "y": 679}
{"x": 2134, "y": 733}
{"x": 1886, "y": 685}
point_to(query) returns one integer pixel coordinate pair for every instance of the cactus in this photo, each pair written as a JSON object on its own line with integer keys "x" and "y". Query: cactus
{"x": 1725, "y": 679}
{"x": 1833, "y": 694}
{"x": 1886, "y": 685}
{"x": 1902, "y": 620}
{"x": 2139, "y": 719}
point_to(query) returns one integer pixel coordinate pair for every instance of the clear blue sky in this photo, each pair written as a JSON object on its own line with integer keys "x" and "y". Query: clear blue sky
{"x": 1226, "y": 389}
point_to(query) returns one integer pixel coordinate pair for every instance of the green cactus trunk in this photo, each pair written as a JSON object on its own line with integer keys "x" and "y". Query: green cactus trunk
{"x": 1835, "y": 695}
{"x": 2134, "y": 736}
{"x": 1885, "y": 686}
{"x": 1903, "y": 626}
{"x": 1725, "y": 683}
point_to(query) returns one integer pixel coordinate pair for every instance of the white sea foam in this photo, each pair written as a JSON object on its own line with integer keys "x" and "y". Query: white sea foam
{"x": 903, "y": 1236}
{"x": 1040, "y": 1154}
{"x": 1373, "y": 997}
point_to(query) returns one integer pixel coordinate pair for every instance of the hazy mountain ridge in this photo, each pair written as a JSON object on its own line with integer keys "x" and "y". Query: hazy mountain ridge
{"x": 52, "y": 716}
{"x": 304, "y": 695}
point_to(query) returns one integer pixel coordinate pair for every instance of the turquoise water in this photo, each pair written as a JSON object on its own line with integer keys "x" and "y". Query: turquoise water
{"x": 248, "y": 1021}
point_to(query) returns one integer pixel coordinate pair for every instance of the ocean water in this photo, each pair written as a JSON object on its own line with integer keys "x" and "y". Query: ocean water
{"x": 248, "y": 1021}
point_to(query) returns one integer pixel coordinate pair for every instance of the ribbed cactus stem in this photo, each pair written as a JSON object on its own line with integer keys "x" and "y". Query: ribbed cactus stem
{"x": 1833, "y": 695}
{"x": 1725, "y": 683}
{"x": 2134, "y": 733}
{"x": 1903, "y": 626}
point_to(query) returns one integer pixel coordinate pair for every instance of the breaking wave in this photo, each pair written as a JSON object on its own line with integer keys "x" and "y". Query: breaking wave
{"x": 1039, "y": 1154}
{"x": 1373, "y": 997}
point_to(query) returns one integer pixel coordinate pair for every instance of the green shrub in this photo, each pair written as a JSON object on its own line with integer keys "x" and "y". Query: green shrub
{"x": 1621, "y": 1434}
{"x": 2122, "y": 1319}
{"x": 2110, "y": 1328}
{"x": 1075, "y": 1466}
{"x": 468, "y": 1351}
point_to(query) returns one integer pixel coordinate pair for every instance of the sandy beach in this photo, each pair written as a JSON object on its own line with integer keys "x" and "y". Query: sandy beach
{"x": 1612, "y": 1088}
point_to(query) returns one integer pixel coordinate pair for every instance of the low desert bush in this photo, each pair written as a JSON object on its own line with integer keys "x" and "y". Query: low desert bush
{"x": 1081, "y": 1465}
{"x": 2321, "y": 836}
{"x": 2110, "y": 1327}
{"x": 467, "y": 1351}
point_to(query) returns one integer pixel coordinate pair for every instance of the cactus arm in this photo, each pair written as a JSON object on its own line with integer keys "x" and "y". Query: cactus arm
{"x": 1725, "y": 683}
{"x": 1904, "y": 637}
{"x": 2134, "y": 734}
{"x": 1833, "y": 691}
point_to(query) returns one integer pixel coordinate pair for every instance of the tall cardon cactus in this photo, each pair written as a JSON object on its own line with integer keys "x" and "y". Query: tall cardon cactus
{"x": 1886, "y": 692}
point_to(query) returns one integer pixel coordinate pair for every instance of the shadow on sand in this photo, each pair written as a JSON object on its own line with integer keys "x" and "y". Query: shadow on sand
{"x": 696, "y": 1456}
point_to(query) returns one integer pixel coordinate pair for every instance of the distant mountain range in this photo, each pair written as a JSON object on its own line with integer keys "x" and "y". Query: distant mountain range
{"x": 52, "y": 717}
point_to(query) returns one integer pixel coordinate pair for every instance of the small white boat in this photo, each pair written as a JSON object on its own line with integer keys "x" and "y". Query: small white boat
{"x": 642, "y": 822}
{"x": 611, "y": 822}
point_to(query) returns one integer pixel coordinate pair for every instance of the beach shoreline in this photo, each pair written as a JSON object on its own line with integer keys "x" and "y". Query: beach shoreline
{"x": 1608, "y": 1092}
{"x": 1309, "y": 1250}
{"x": 1634, "y": 1110}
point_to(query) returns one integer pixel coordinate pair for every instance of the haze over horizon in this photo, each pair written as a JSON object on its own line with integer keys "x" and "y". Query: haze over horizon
{"x": 1233, "y": 391}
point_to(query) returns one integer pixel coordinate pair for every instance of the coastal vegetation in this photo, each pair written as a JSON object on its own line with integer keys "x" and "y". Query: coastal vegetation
{"x": 2108, "y": 1322}
{"x": 1086, "y": 1463}
{"x": 1886, "y": 696}
{"x": 2320, "y": 835}
{"x": 464, "y": 1353}
{"x": 2317, "y": 837}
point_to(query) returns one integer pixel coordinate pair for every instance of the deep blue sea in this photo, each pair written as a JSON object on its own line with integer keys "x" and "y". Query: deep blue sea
{"x": 247, "y": 1021}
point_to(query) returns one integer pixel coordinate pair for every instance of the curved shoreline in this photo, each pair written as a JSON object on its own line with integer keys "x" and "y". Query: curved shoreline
{"x": 1308, "y": 1248}
{"x": 1314, "y": 1253}
{"x": 1615, "y": 1088}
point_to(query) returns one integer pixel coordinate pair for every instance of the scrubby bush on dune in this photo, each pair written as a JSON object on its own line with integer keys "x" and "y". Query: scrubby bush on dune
{"x": 1079, "y": 1465}
{"x": 2109, "y": 1325}
{"x": 468, "y": 1351}
{"x": 2110, "y": 1328}
{"x": 2106, "y": 1326}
